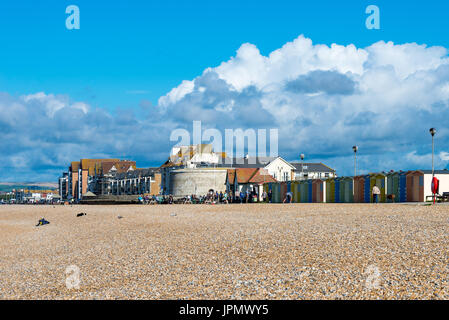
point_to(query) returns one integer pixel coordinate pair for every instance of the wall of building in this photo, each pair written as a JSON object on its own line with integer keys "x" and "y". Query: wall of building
{"x": 196, "y": 181}
{"x": 155, "y": 186}
{"x": 444, "y": 184}
{"x": 205, "y": 157}
{"x": 280, "y": 170}
{"x": 74, "y": 184}
{"x": 63, "y": 186}
{"x": 313, "y": 175}
{"x": 84, "y": 178}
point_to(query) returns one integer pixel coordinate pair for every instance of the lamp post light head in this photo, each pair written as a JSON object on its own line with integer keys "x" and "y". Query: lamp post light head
{"x": 432, "y": 131}
{"x": 302, "y": 156}
{"x": 355, "y": 148}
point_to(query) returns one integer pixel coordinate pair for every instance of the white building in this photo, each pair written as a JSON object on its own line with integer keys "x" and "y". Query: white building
{"x": 188, "y": 157}
{"x": 277, "y": 167}
{"x": 306, "y": 171}
{"x": 280, "y": 169}
{"x": 442, "y": 176}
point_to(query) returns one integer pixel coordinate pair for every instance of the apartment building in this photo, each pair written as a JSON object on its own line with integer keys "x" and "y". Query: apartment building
{"x": 82, "y": 173}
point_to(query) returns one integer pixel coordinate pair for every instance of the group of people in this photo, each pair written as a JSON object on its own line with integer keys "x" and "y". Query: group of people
{"x": 248, "y": 196}
{"x": 229, "y": 197}
{"x": 159, "y": 199}
{"x": 212, "y": 196}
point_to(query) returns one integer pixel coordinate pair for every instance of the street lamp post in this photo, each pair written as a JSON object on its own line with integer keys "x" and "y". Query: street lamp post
{"x": 432, "y": 132}
{"x": 302, "y": 156}
{"x": 355, "y": 148}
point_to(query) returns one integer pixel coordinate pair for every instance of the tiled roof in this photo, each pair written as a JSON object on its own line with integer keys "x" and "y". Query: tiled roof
{"x": 245, "y": 174}
{"x": 106, "y": 167}
{"x": 74, "y": 166}
{"x": 262, "y": 176}
{"x": 90, "y": 164}
{"x": 445, "y": 171}
{"x": 125, "y": 166}
{"x": 312, "y": 167}
{"x": 120, "y": 166}
{"x": 249, "y": 175}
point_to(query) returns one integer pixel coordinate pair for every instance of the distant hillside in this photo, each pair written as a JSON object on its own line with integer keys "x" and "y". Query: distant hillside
{"x": 9, "y": 186}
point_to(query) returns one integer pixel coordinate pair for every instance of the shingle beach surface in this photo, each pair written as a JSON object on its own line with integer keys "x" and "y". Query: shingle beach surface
{"x": 255, "y": 251}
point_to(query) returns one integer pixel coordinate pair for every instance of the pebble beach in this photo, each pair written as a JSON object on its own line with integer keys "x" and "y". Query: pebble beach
{"x": 248, "y": 251}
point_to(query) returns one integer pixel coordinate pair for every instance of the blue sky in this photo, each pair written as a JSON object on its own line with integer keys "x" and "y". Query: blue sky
{"x": 127, "y": 55}
{"x": 151, "y": 46}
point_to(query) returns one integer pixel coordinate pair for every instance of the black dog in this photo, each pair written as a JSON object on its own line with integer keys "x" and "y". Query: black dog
{"x": 391, "y": 197}
{"x": 81, "y": 214}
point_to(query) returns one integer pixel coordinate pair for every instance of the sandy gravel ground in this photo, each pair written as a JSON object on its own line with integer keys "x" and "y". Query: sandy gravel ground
{"x": 256, "y": 251}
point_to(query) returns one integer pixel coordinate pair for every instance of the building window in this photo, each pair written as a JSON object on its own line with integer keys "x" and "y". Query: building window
{"x": 326, "y": 175}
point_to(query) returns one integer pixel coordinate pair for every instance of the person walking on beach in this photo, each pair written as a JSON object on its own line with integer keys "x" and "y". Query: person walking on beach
{"x": 288, "y": 198}
{"x": 376, "y": 194}
{"x": 225, "y": 197}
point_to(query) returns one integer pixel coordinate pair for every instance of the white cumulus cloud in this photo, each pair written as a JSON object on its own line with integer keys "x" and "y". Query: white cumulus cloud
{"x": 323, "y": 99}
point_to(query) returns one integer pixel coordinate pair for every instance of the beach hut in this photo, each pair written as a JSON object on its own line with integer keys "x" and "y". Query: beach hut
{"x": 359, "y": 189}
{"x": 337, "y": 190}
{"x": 341, "y": 189}
{"x": 402, "y": 186}
{"x": 379, "y": 180}
{"x": 346, "y": 190}
{"x": 367, "y": 189}
{"x": 295, "y": 191}
{"x": 330, "y": 190}
{"x": 276, "y": 192}
{"x": 415, "y": 186}
{"x": 397, "y": 185}
{"x": 283, "y": 191}
{"x": 289, "y": 189}
{"x": 309, "y": 191}
{"x": 318, "y": 187}
{"x": 393, "y": 185}
{"x": 303, "y": 191}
